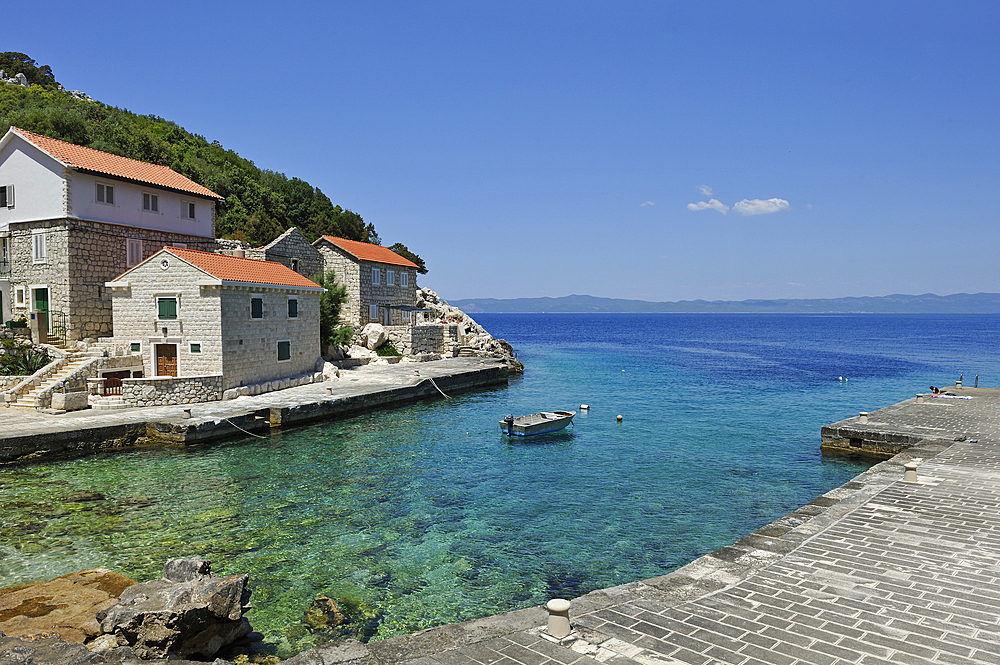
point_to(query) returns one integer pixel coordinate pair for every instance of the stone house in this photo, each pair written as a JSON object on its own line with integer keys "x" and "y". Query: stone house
{"x": 191, "y": 313}
{"x": 72, "y": 218}
{"x": 381, "y": 285}
{"x": 291, "y": 249}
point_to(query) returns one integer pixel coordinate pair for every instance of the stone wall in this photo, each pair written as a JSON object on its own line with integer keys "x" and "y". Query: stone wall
{"x": 8, "y": 382}
{"x": 250, "y": 346}
{"x": 81, "y": 256}
{"x": 348, "y": 274}
{"x": 418, "y": 340}
{"x": 166, "y": 390}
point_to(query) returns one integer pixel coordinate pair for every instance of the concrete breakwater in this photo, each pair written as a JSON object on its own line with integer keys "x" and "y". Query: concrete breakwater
{"x": 30, "y": 436}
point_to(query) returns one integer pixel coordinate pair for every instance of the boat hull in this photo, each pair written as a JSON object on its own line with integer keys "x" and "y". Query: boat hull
{"x": 538, "y": 423}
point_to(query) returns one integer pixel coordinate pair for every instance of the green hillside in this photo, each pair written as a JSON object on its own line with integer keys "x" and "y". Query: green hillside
{"x": 259, "y": 204}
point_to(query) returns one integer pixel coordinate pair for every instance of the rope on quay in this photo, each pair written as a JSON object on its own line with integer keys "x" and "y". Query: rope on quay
{"x": 431, "y": 379}
{"x": 243, "y": 430}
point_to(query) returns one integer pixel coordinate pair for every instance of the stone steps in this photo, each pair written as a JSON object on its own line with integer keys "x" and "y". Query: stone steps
{"x": 466, "y": 352}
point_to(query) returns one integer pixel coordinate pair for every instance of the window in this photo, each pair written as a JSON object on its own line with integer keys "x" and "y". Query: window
{"x": 390, "y": 278}
{"x": 195, "y": 347}
{"x": 105, "y": 194}
{"x": 38, "y": 246}
{"x": 133, "y": 252}
{"x": 404, "y": 279}
{"x": 373, "y": 311}
{"x": 284, "y": 350}
{"x": 150, "y": 202}
{"x": 7, "y": 196}
{"x": 19, "y": 296}
{"x": 187, "y": 210}
{"x": 376, "y": 276}
{"x": 135, "y": 347}
{"x": 257, "y": 307}
{"x": 166, "y": 308}
{"x": 295, "y": 265}
{"x": 293, "y": 308}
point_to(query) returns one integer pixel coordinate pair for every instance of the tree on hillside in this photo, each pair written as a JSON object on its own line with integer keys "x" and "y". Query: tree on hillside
{"x": 18, "y": 63}
{"x": 401, "y": 249}
{"x": 258, "y": 205}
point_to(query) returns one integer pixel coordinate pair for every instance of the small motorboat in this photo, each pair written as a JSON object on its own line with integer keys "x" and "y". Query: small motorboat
{"x": 536, "y": 423}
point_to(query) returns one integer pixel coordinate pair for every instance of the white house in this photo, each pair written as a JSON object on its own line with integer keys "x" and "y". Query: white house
{"x": 192, "y": 313}
{"x": 71, "y": 218}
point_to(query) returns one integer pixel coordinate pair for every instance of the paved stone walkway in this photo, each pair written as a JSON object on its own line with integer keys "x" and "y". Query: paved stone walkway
{"x": 363, "y": 380}
{"x": 876, "y": 571}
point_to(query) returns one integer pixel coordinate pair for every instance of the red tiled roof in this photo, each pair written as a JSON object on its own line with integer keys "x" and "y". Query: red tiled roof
{"x": 237, "y": 269}
{"x": 88, "y": 159}
{"x": 369, "y": 252}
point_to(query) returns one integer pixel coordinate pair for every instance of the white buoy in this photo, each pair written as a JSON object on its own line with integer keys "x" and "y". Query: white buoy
{"x": 619, "y": 417}
{"x": 584, "y": 407}
{"x": 840, "y": 378}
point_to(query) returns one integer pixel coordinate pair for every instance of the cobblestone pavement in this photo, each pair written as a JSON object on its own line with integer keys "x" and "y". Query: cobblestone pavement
{"x": 876, "y": 571}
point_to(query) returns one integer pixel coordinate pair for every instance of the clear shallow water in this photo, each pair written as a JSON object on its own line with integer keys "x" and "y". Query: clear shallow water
{"x": 427, "y": 515}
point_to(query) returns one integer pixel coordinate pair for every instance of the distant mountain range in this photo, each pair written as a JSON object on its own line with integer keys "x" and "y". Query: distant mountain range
{"x": 928, "y": 303}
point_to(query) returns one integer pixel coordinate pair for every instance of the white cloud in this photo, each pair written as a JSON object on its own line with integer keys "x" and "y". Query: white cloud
{"x": 706, "y": 190}
{"x": 760, "y": 206}
{"x": 646, "y": 203}
{"x": 712, "y": 204}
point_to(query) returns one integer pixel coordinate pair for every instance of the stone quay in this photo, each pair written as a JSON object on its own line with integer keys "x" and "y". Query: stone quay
{"x": 879, "y": 570}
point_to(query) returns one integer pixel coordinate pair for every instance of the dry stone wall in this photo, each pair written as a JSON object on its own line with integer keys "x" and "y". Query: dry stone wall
{"x": 166, "y": 390}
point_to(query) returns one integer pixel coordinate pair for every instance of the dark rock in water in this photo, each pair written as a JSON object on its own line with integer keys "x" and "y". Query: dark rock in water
{"x": 186, "y": 570}
{"x": 195, "y": 617}
{"x": 84, "y": 497}
{"x": 341, "y": 620}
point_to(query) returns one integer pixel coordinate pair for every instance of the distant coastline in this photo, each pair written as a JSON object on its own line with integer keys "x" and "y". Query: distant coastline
{"x": 928, "y": 303}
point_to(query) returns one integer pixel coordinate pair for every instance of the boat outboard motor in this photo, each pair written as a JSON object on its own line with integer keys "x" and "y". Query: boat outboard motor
{"x": 509, "y": 421}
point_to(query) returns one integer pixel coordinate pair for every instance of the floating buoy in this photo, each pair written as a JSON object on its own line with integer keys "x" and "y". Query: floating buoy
{"x": 840, "y": 378}
{"x": 619, "y": 417}
{"x": 623, "y": 370}
{"x": 584, "y": 407}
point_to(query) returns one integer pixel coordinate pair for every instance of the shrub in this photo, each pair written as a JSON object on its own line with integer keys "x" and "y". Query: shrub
{"x": 342, "y": 336}
{"x": 388, "y": 349}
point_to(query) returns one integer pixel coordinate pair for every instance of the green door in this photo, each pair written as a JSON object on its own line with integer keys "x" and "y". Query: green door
{"x": 42, "y": 304}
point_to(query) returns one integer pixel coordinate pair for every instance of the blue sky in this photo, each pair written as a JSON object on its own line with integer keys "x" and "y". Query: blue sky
{"x": 651, "y": 150}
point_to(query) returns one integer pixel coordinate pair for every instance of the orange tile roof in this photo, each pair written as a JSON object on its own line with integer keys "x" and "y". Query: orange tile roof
{"x": 369, "y": 252}
{"x": 88, "y": 159}
{"x": 237, "y": 269}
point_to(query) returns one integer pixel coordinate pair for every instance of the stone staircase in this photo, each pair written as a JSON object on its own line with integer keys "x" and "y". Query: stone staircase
{"x": 107, "y": 402}
{"x": 466, "y": 352}
{"x": 27, "y": 398}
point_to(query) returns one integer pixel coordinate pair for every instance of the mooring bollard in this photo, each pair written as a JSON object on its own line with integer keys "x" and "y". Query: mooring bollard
{"x": 558, "y": 617}
{"x": 863, "y": 417}
{"x": 329, "y": 390}
{"x": 187, "y": 413}
{"x": 920, "y": 398}
{"x": 910, "y": 475}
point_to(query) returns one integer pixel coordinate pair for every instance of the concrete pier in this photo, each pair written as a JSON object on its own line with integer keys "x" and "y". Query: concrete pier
{"x": 29, "y": 435}
{"x": 879, "y": 570}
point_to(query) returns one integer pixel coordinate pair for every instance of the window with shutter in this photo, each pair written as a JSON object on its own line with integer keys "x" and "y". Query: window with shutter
{"x": 256, "y": 307}
{"x": 376, "y": 276}
{"x": 166, "y": 308}
{"x": 7, "y": 196}
{"x": 133, "y": 252}
{"x": 38, "y": 246}
{"x": 284, "y": 350}
{"x": 293, "y": 308}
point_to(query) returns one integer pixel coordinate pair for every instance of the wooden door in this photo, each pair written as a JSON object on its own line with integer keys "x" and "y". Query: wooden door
{"x": 166, "y": 360}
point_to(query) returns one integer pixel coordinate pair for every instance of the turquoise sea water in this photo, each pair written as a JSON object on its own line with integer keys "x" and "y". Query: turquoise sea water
{"x": 428, "y": 515}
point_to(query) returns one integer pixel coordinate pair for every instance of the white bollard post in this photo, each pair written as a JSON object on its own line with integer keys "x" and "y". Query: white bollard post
{"x": 863, "y": 417}
{"x": 920, "y": 398}
{"x": 558, "y": 617}
{"x": 187, "y": 413}
{"x": 910, "y": 475}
